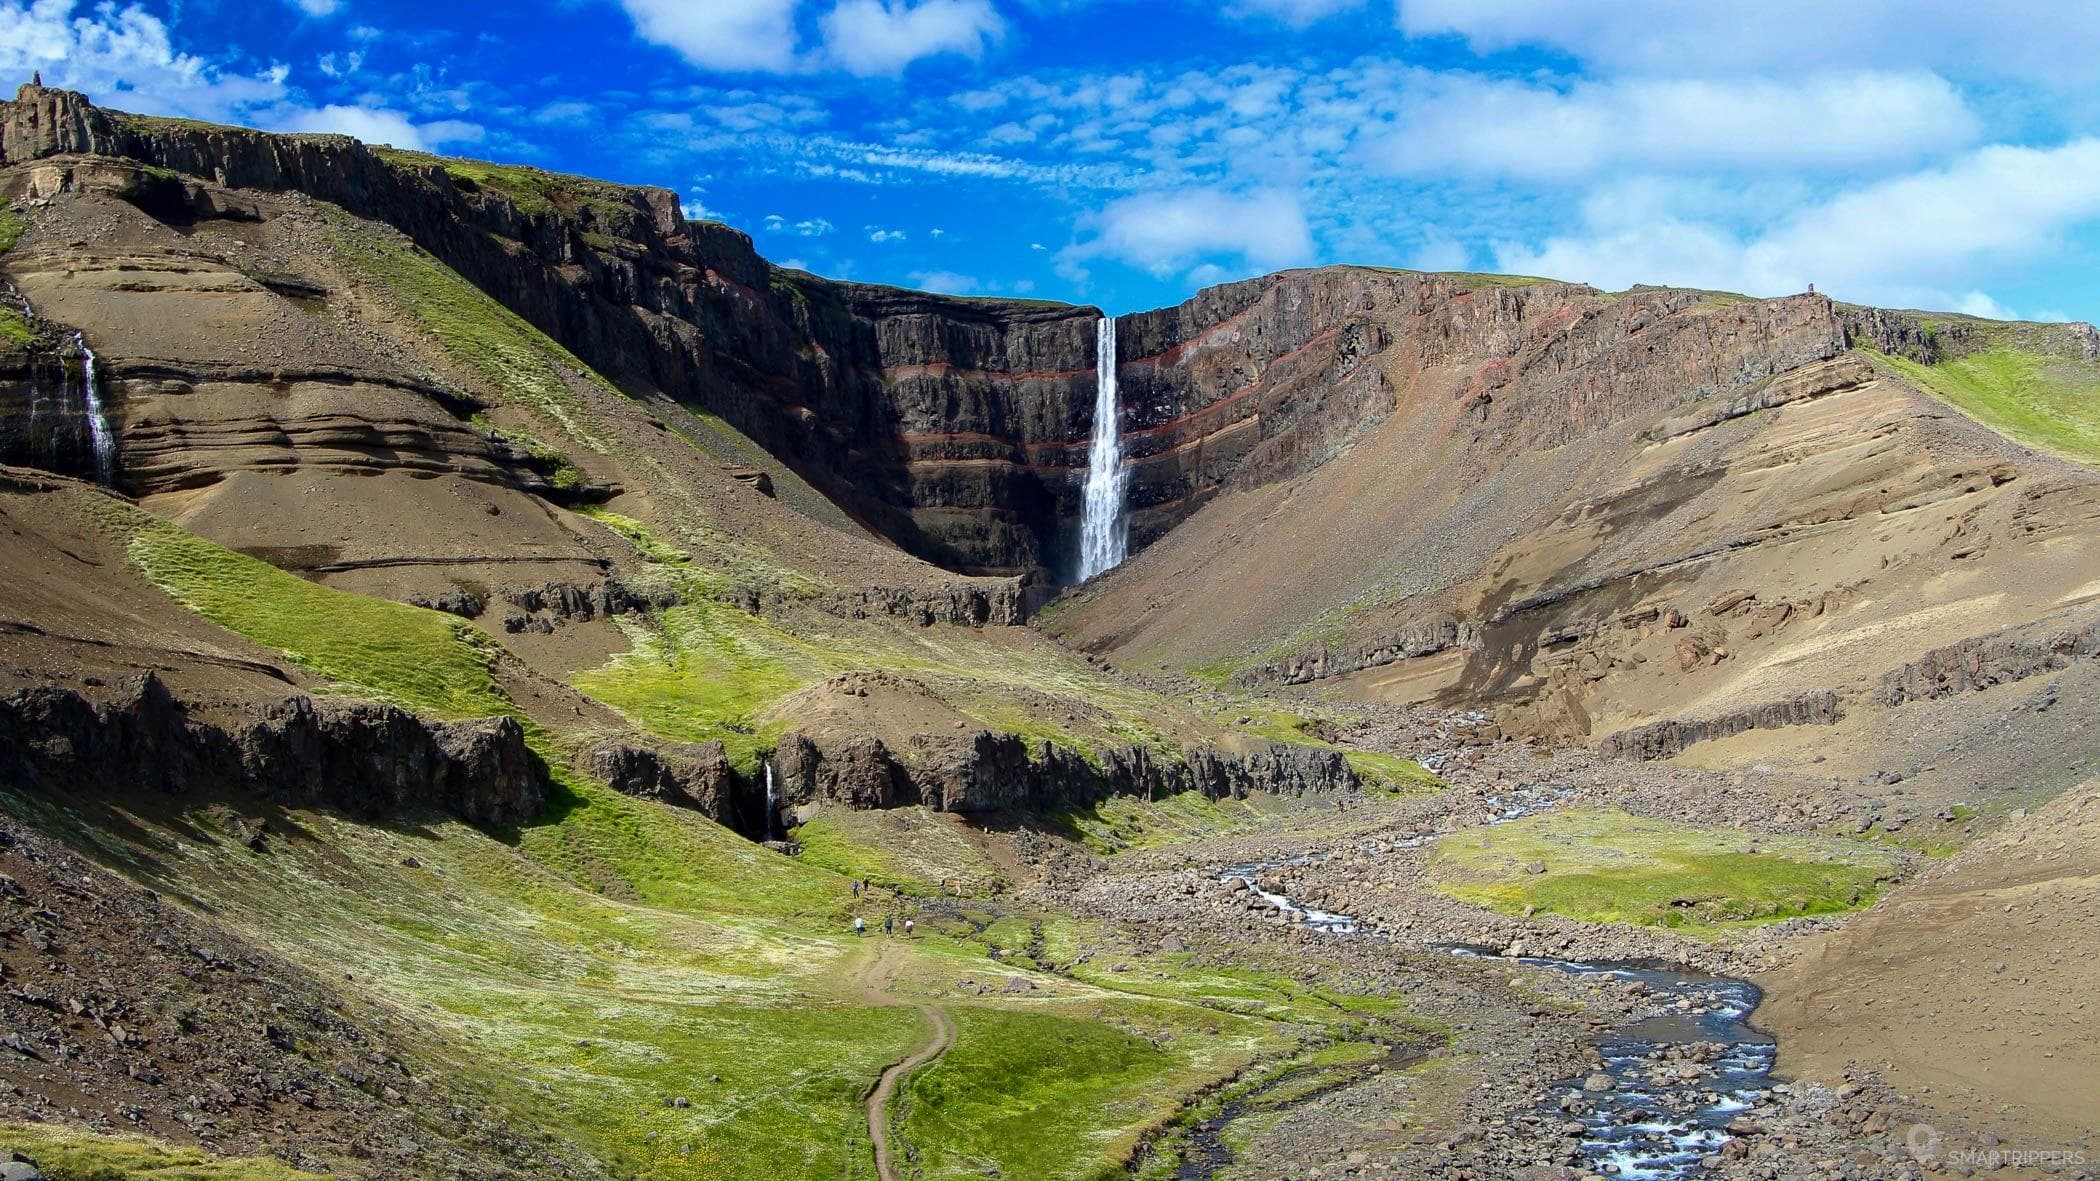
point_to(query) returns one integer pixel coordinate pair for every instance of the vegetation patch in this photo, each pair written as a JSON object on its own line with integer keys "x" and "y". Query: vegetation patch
{"x": 418, "y": 658}
{"x": 15, "y": 328}
{"x": 1602, "y": 865}
{"x": 1395, "y": 774}
{"x": 2049, "y": 403}
{"x": 517, "y": 361}
{"x": 706, "y": 671}
{"x": 534, "y": 191}
{"x": 911, "y": 850}
{"x": 1119, "y": 824}
{"x": 1040, "y": 1095}
{"x": 11, "y": 229}
{"x": 65, "y": 1154}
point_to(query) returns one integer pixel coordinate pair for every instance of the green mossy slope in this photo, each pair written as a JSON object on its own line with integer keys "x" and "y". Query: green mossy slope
{"x": 2051, "y": 404}
{"x": 1602, "y": 865}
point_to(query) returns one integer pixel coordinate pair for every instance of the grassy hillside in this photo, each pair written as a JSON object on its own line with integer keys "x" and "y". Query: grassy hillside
{"x": 657, "y": 992}
{"x": 2050, "y": 403}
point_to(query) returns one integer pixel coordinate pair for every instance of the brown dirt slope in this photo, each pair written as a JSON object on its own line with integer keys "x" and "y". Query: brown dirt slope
{"x": 1614, "y": 510}
{"x": 1972, "y": 985}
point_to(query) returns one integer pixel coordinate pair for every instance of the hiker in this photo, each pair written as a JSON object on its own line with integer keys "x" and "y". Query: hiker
{"x": 889, "y": 924}
{"x": 856, "y": 889}
{"x": 860, "y": 927}
{"x": 908, "y": 925}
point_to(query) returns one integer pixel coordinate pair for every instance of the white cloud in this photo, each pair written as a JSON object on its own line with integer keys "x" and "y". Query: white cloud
{"x": 2055, "y": 39}
{"x": 1296, "y": 13}
{"x": 946, "y": 282}
{"x": 754, "y": 35}
{"x": 1469, "y": 125}
{"x": 1441, "y": 254}
{"x": 125, "y": 58}
{"x": 377, "y": 125}
{"x": 451, "y": 131}
{"x": 1166, "y": 232}
{"x": 812, "y": 227}
{"x": 870, "y": 37}
{"x": 1916, "y": 239}
{"x": 317, "y": 7}
{"x": 880, "y": 235}
{"x": 340, "y": 67}
{"x": 1977, "y": 303}
{"x": 367, "y": 124}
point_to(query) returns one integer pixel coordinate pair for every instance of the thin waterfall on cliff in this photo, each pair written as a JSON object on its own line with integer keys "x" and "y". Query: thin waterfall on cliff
{"x": 1103, "y": 534}
{"x": 99, "y": 432}
{"x": 771, "y": 805}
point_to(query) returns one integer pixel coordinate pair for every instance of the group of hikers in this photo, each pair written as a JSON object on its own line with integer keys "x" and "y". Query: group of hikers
{"x": 889, "y": 922}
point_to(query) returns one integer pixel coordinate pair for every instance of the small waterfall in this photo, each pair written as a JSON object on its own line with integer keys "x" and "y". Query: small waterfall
{"x": 1103, "y": 533}
{"x": 99, "y": 432}
{"x": 772, "y": 805}
{"x": 61, "y": 431}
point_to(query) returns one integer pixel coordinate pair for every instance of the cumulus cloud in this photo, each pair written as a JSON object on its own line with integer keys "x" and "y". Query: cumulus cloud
{"x": 378, "y": 125}
{"x": 756, "y": 35}
{"x": 865, "y": 37}
{"x": 2055, "y": 39}
{"x": 871, "y": 37}
{"x": 1467, "y": 124}
{"x": 1918, "y": 238}
{"x": 317, "y": 7}
{"x": 1198, "y": 229}
{"x": 126, "y": 58}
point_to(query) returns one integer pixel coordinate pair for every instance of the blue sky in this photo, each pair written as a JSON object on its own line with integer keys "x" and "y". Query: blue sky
{"x": 1904, "y": 152}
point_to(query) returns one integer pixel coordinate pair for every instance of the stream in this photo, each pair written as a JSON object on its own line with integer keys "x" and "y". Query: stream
{"x": 1677, "y": 1079}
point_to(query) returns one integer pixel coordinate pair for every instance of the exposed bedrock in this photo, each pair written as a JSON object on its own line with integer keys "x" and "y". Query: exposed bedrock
{"x": 1972, "y": 665}
{"x": 366, "y": 759}
{"x": 695, "y": 775}
{"x": 983, "y": 771}
{"x": 1660, "y": 740}
{"x": 1983, "y": 661}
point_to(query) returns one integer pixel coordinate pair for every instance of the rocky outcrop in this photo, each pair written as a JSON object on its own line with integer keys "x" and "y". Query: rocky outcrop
{"x": 547, "y": 606}
{"x": 985, "y": 771}
{"x": 1660, "y": 740}
{"x": 1983, "y": 661}
{"x": 987, "y": 602}
{"x": 366, "y": 759}
{"x": 1930, "y": 338}
{"x": 695, "y": 775}
{"x": 1424, "y": 639}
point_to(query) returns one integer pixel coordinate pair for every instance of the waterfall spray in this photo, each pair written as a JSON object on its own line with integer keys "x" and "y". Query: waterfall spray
{"x": 1103, "y": 533}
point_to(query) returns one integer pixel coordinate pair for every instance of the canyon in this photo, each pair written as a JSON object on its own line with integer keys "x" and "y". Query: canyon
{"x": 495, "y": 602}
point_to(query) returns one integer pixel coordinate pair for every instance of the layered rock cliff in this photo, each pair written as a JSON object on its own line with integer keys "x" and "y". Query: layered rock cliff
{"x": 956, "y": 427}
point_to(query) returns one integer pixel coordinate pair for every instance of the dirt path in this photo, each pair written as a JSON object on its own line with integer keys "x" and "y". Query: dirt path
{"x": 875, "y": 983}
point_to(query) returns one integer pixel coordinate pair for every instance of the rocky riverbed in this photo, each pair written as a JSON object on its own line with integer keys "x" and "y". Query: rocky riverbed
{"x": 1575, "y": 1049}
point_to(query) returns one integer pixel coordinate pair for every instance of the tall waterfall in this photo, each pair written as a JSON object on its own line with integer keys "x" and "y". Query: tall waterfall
{"x": 104, "y": 439}
{"x": 1103, "y": 534}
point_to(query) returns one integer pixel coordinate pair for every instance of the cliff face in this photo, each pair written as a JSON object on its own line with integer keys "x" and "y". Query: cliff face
{"x": 848, "y": 384}
{"x": 956, "y": 427}
{"x": 369, "y": 760}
